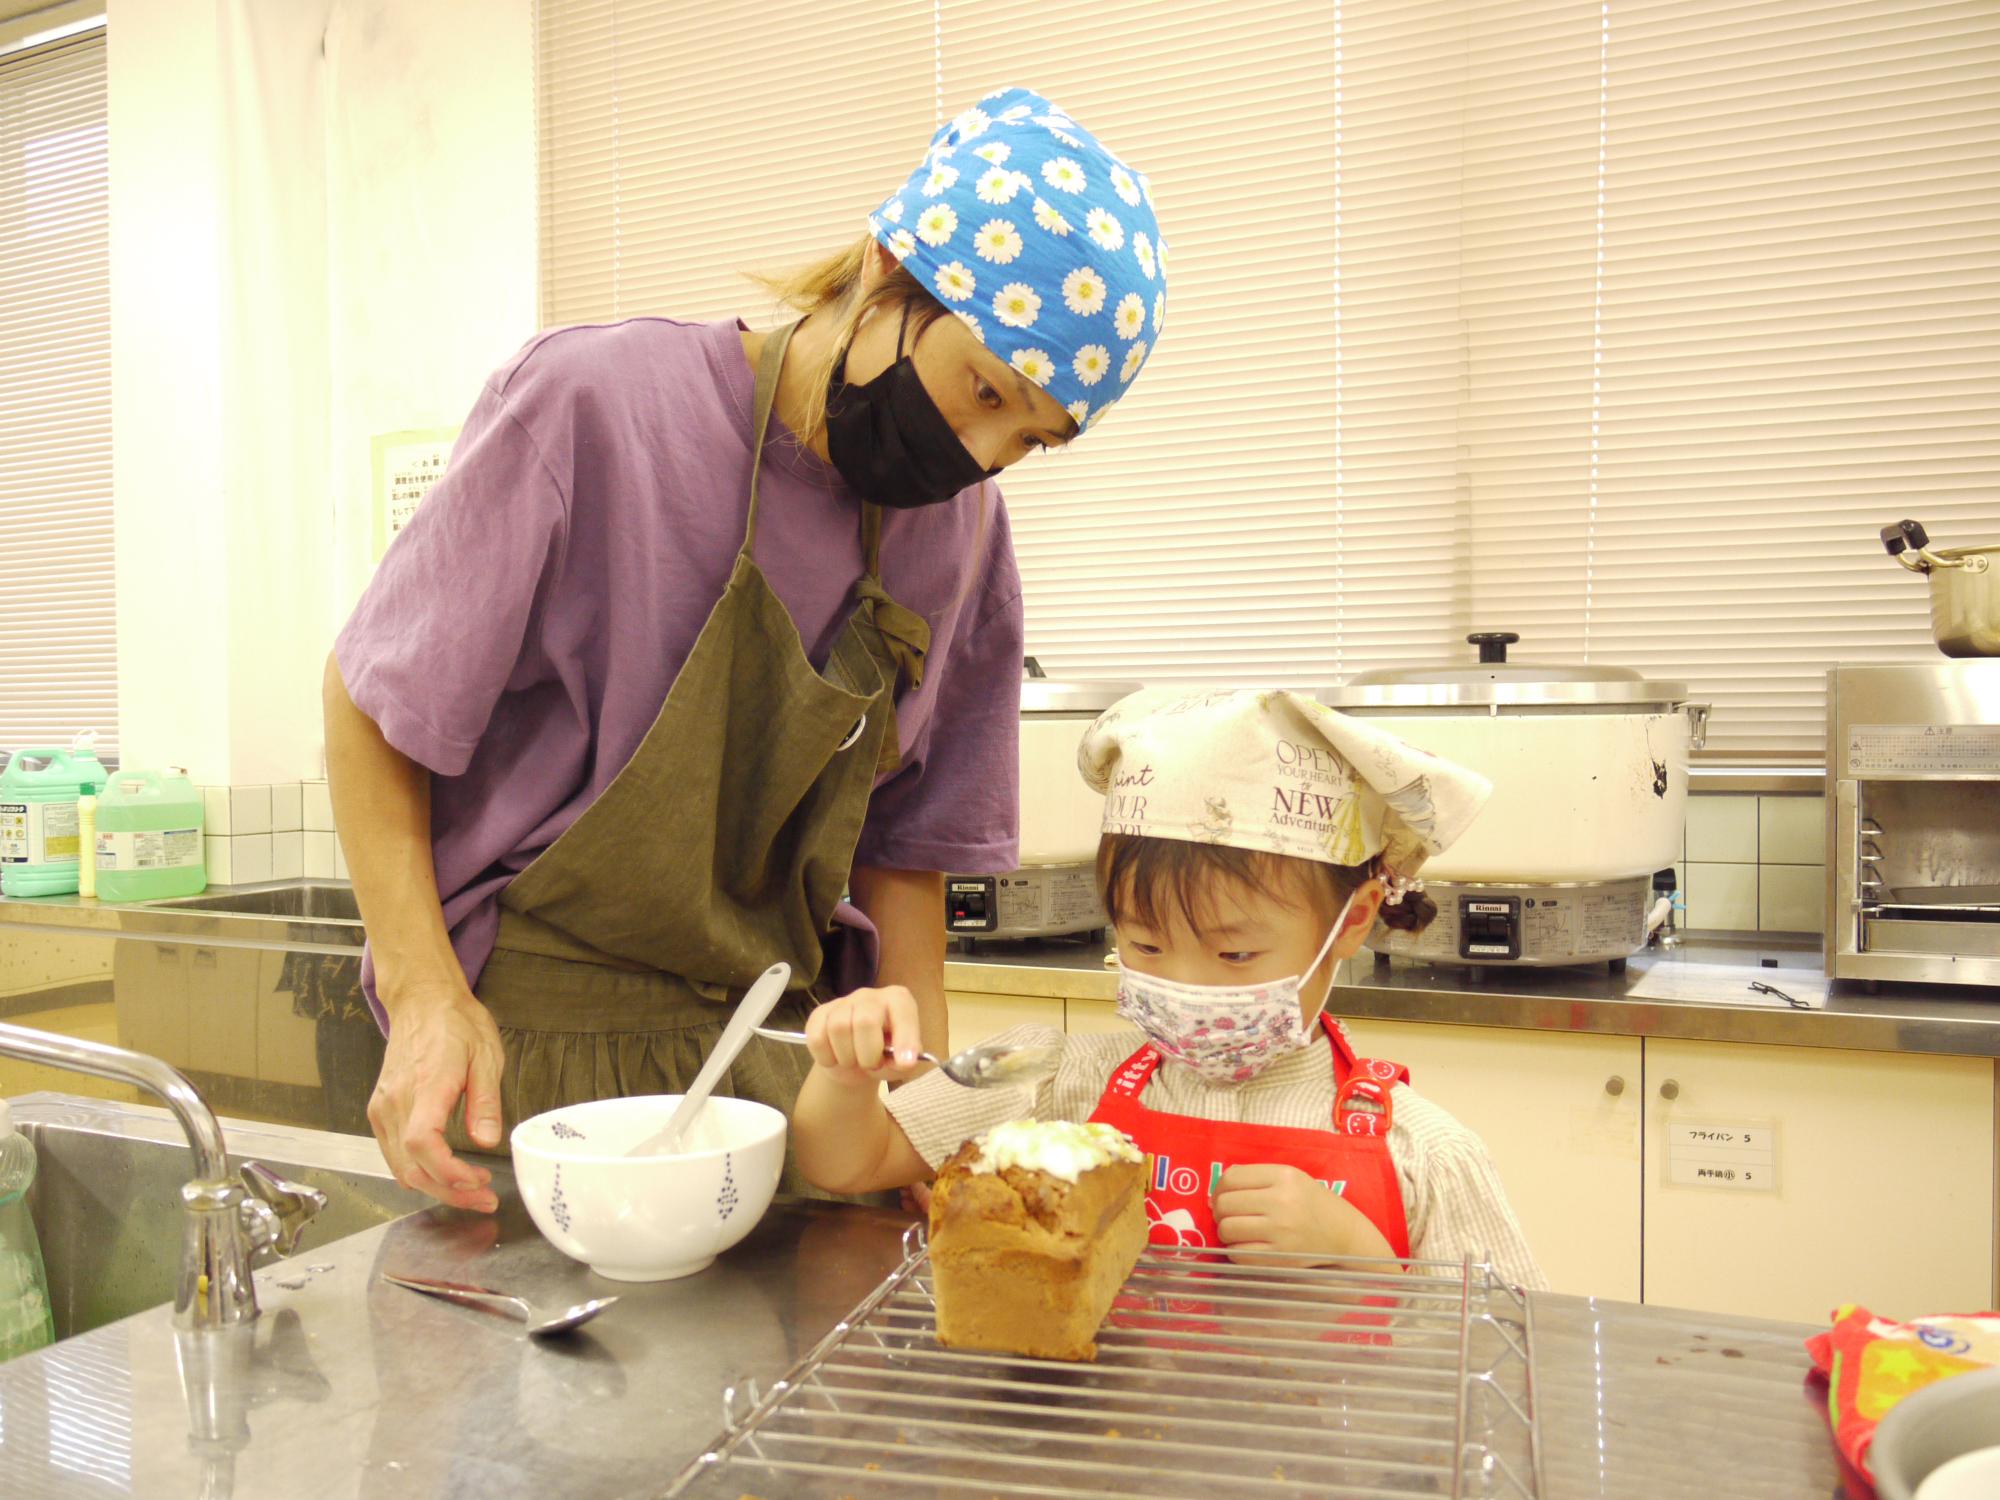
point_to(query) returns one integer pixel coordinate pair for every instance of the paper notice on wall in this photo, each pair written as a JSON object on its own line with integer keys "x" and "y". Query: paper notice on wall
{"x": 407, "y": 465}
{"x": 1737, "y": 1156}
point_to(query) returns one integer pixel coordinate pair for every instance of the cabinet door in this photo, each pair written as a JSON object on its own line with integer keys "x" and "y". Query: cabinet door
{"x": 1560, "y": 1115}
{"x": 1883, "y": 1193}
{"x": 1082, "y": 1017}
{"x": 974, "y": 1017}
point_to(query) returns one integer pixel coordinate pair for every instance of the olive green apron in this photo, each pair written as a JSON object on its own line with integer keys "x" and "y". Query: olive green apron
{"x": 722, "y": 847}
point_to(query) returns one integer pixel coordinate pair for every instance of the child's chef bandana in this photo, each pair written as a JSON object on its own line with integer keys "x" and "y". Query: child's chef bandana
{"x": 1277, "y": 771}
{"x": 1045, "y": 243}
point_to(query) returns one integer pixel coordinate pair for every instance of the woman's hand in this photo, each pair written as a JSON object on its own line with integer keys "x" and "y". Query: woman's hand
{"x": 442, "y": 1044}
{"x": 1273, "y": 1207}
{"x": 861, "y": 1039}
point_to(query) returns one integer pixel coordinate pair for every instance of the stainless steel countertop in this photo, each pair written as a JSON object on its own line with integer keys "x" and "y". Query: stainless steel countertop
{"x": 1961, "y": 1021}
{"x": 1709, "y": 1003}
{"x": 352, "y": 1388}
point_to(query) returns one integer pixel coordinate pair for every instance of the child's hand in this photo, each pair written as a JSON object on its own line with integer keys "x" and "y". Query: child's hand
{"x": 863, "y": 1038}
{"x": 1272, "y": 1207}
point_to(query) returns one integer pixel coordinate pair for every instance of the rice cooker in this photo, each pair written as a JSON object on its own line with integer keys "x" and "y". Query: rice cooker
{"x": 1054, "y": 892}
{"x": 1589, "y": 766}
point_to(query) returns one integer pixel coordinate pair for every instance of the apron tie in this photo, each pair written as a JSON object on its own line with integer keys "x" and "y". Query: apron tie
{"x": 905, "y": 632}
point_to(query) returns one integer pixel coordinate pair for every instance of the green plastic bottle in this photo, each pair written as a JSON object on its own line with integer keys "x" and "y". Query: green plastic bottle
{"x": 149, "y": 827}
{"x": 39, "y": 842}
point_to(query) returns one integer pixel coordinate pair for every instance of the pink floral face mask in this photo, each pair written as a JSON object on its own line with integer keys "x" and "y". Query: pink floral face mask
{"x": 1226, "y": 1033}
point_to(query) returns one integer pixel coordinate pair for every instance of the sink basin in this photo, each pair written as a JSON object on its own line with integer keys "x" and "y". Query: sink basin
{"x": 107, "y": 1208}
{"x": 305, "y": 901}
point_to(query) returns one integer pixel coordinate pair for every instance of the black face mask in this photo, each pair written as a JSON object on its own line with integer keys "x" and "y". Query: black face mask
{"x": 889, "y": 440}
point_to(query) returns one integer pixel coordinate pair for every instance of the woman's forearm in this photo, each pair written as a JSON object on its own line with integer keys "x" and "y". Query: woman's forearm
{"x": 382, "y": 809}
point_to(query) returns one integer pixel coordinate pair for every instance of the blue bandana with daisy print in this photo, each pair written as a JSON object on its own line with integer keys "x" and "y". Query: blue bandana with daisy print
{"x": 1043, "y": 242}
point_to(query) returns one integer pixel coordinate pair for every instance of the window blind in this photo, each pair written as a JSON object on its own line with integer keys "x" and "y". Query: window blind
{"x": 58, "y": 635}
{"x": 1624, "y": 325}
{"x": 1737, "y": 306}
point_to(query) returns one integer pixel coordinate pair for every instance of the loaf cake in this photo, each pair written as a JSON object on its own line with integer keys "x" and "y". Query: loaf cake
{"x": 1034, "y": 1227}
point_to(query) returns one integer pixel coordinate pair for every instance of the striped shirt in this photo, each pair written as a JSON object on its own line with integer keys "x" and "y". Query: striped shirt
{"x": 1452, "y": 1196}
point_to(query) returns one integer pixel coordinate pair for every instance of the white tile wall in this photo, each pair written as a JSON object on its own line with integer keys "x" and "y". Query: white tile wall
{"x": 1791, "y": 898}
{"x": 1791, "y": 830}
{"x": 287, "y": 808}
{"x": 249, "y": 810}
{"x": 1722, "y": 829}
{"x": 288, "y": 855}
{"x": 318, "y": 856}
{"x": 215, "y": 858}
{"x": 1722, "y": 898}
{"x": 318, "y": 807}
{"x": 249, "y": 858}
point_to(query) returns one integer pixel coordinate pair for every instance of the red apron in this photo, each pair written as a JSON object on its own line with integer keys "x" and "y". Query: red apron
{"x": 1185, "y": 1156}
{"x": 1185, "y": 1159}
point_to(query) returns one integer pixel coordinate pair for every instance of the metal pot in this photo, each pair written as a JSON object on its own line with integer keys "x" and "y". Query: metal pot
{"x": 1588, "y": 763}
{"x": 1965, "y": 589}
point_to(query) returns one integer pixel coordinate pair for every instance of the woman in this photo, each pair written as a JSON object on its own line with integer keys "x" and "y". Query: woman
{"x": 704, "y": 626}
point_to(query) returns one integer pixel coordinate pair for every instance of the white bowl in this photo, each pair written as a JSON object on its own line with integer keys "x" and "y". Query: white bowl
{"x": 647, "y": 1218}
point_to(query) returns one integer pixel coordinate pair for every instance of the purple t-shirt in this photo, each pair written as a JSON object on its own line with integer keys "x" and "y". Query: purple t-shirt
{"x": 521, "y": 635}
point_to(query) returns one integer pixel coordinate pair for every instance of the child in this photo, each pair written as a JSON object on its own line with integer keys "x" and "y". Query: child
{"x": 1251, "y": 839}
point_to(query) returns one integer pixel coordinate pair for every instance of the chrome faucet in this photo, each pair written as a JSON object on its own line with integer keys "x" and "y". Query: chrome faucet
{"x": 229, "y": 1220}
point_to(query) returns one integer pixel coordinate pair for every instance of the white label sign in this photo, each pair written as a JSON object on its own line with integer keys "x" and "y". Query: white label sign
{"x": 1738, "y": 1156}
{"x": 1923, "y": 749}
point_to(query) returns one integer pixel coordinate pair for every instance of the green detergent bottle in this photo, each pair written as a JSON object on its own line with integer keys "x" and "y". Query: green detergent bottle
{"x": 149, "y": 827}
{"x": 39, "y": 842}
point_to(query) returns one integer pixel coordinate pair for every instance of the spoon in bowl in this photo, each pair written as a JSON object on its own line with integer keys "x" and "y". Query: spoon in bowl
{"x": 758, "y": 1003}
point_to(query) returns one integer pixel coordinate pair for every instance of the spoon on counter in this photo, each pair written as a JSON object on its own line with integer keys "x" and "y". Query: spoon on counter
{"x": 990, "y": 1065}
{"x": 541, "y": 1322}
{"x": 757, "y": 1003}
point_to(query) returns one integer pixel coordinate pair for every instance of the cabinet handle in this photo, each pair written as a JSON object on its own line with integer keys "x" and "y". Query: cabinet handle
{"x": 1614, "y": 1086}
{"x": 1670, "y": 1090}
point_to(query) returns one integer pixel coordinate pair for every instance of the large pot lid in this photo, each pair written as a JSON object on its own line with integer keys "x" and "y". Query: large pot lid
{"x": 1493, "y": 679}
{"x": 1069, "y": 695}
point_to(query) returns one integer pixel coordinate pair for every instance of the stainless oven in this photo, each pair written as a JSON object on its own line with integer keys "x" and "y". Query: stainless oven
{"x": 1913, "y": 812}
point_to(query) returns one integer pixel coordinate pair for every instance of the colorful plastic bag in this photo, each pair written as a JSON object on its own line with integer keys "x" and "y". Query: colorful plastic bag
{"x": 1871, "y": 1363}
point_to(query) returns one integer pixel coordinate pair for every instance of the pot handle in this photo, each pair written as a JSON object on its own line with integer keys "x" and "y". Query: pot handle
{"x": 1910, "y": 545}
{"x": 1697, "y": 724}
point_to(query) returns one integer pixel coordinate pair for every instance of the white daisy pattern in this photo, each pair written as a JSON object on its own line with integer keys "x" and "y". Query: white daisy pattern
{"x": 998, "y": 241}
{"x": 1017, "y": 305}
{"x": 1035, "y": 364}
{"x": 1063, "y": 174}
{"x": 998, "y": 185}
{"x": 937, "y": 224}
{"x": 954, "y": 282}
{"x": 1083, "y": 292}
{"x": 1041, "y": 241}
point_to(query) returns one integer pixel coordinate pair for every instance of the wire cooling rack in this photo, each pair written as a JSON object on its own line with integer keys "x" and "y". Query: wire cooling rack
{"x": 1281, "y": 1381}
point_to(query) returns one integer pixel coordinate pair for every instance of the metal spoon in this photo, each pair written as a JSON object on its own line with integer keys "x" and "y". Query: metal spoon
{"x": 541, "y": 1323}
{"x": 990, "y": 1065}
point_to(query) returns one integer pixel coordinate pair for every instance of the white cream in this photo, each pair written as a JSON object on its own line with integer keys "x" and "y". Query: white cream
{"x": 1062, "y": 1148}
